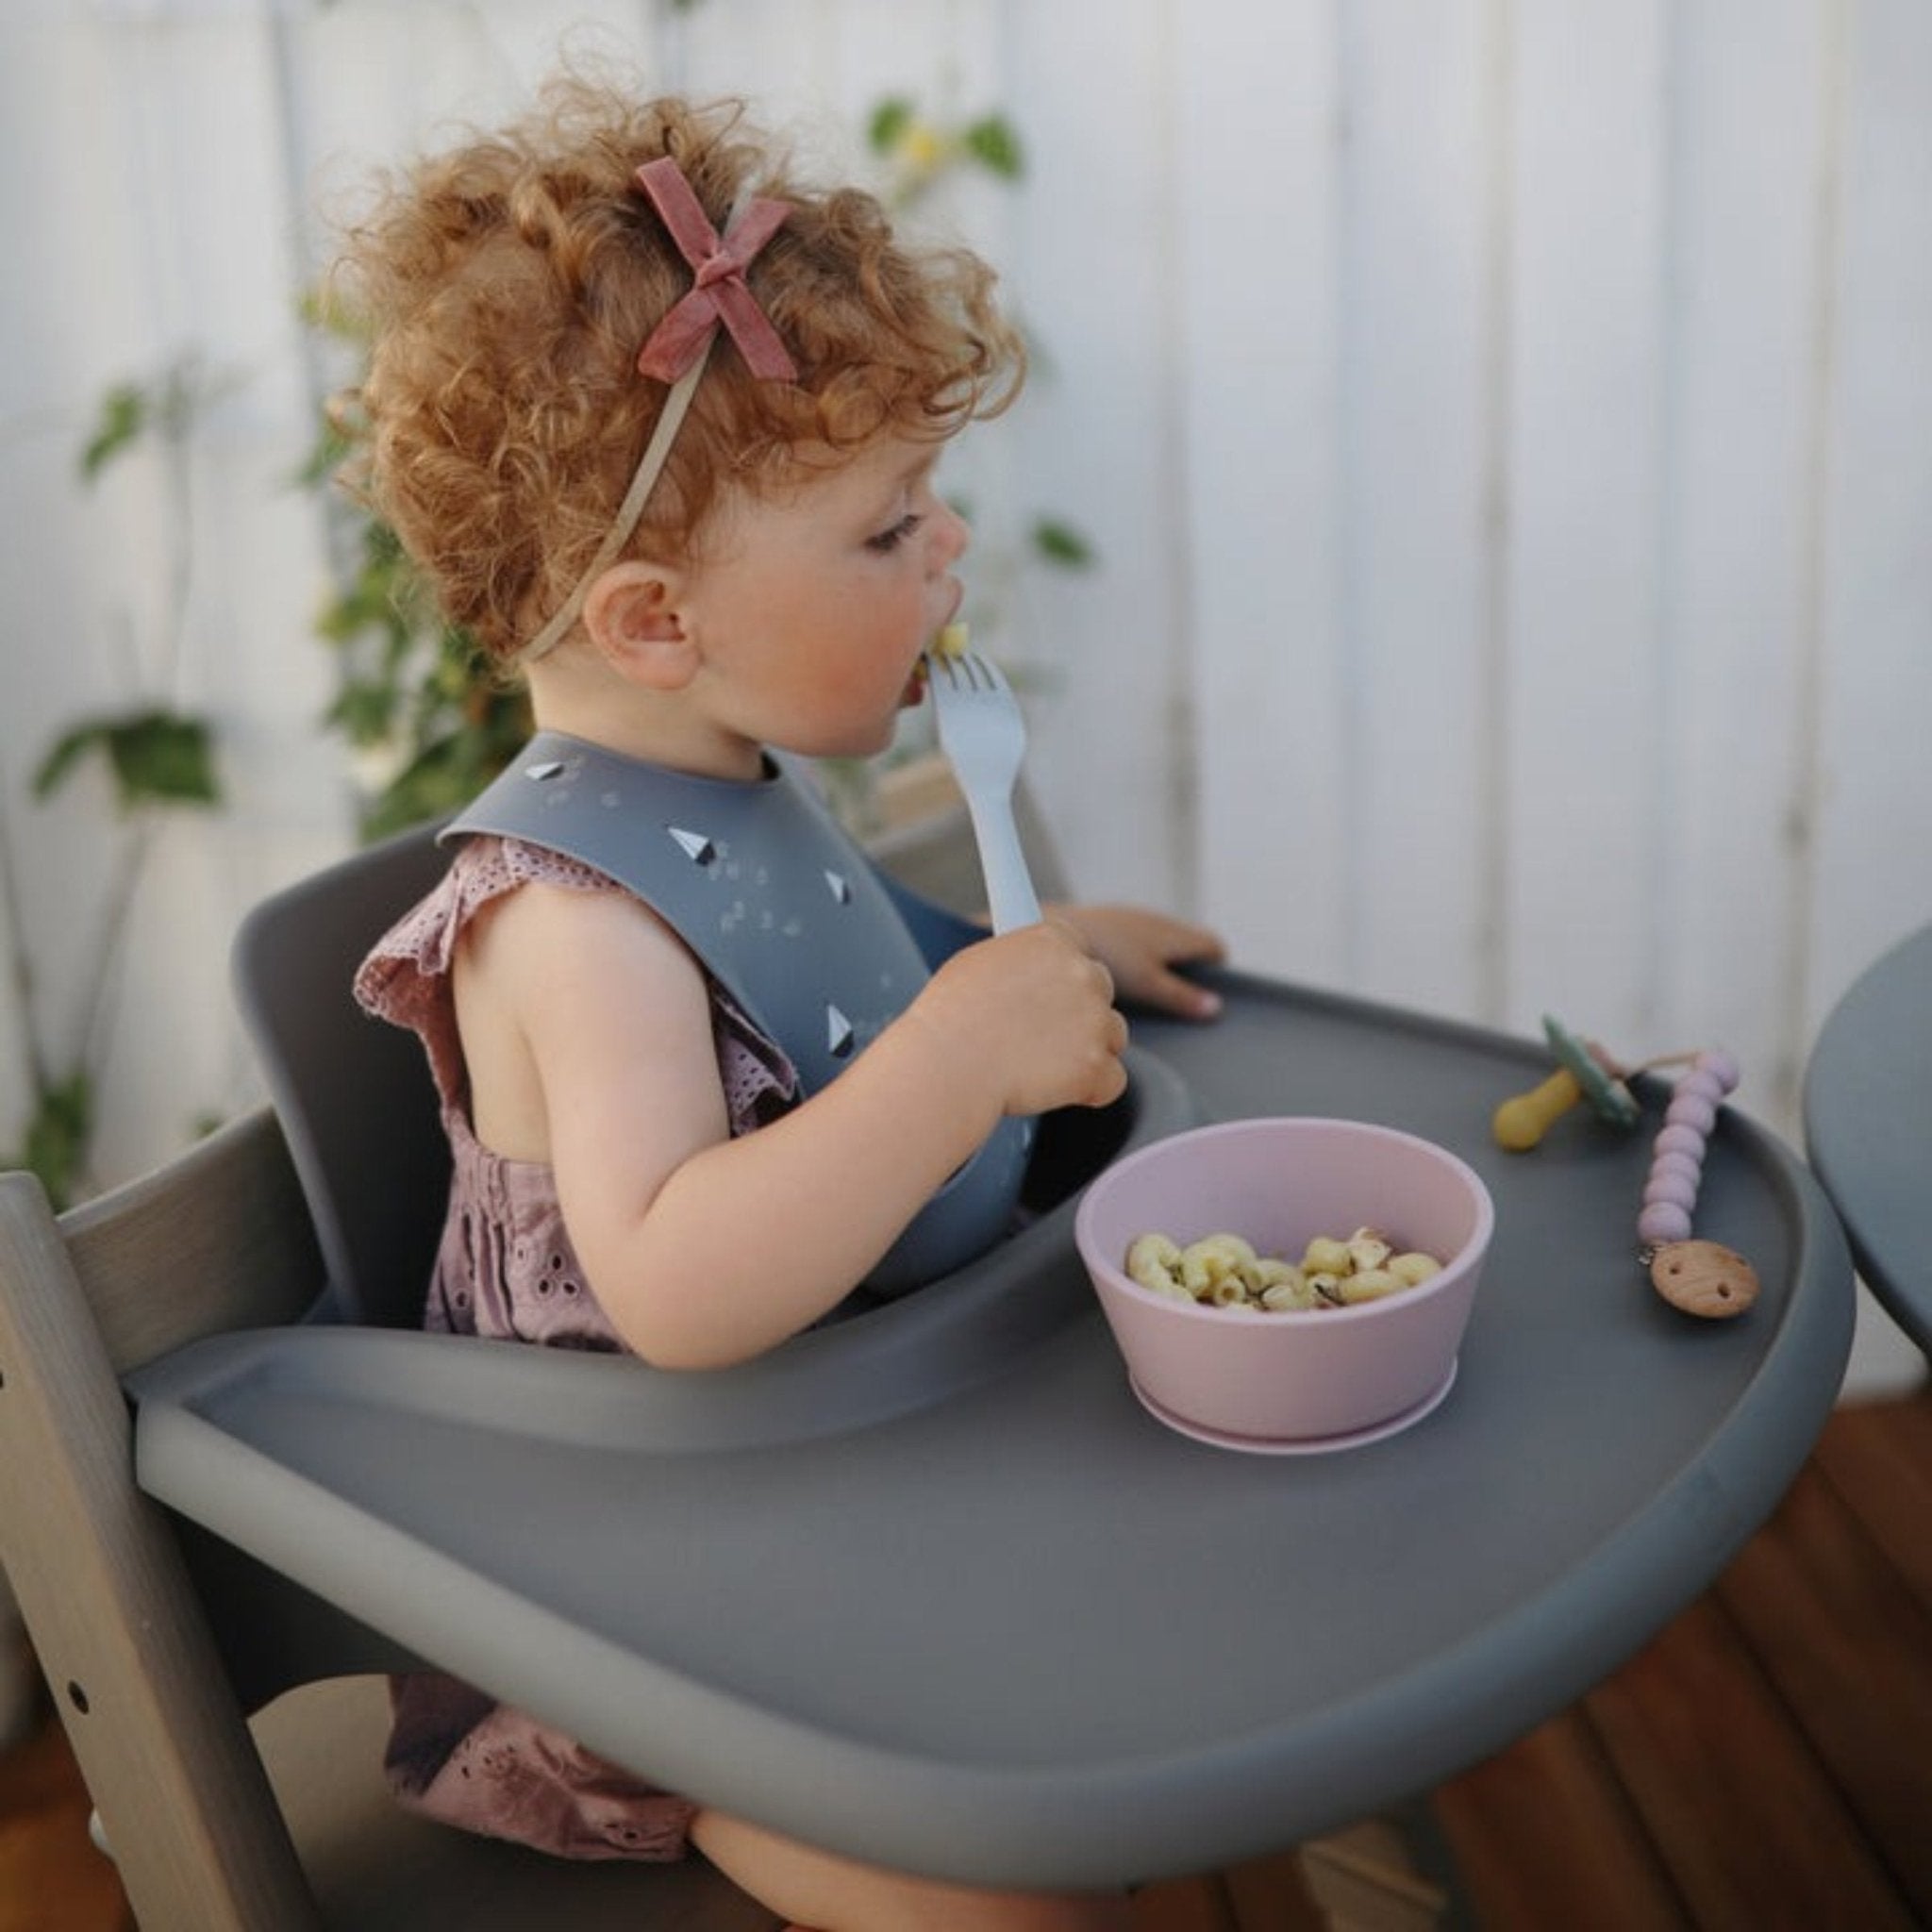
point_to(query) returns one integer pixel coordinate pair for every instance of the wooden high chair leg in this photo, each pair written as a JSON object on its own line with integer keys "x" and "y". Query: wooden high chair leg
{"x": 187, "y": 1806}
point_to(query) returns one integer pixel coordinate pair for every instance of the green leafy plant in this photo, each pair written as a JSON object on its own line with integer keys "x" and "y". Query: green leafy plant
{"x": 414, "y": 697}
{"x": 426, "y": 721}
{"x": 920, "y": 151}
{"x": 157, "y": 760}
{"x": 156, "y": 756}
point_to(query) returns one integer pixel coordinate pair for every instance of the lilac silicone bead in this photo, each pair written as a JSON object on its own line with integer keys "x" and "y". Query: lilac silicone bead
{"x": 1690, "y": 1165}
{"x": 1703, "y": 1083}
{"x": 1717, "y": 1061}
{"x": 1661, "y": 1221}
{"x": 1681, "y": 1139}
{"x": 1690, "y": 1110}
{"x": 1671, "y": 1190}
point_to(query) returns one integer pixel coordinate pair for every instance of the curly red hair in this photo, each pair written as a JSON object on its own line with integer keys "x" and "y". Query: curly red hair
{"x": 507, "y": 285}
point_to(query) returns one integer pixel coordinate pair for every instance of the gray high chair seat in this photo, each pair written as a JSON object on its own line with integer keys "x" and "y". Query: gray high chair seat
{"x": 352, "y": 1093}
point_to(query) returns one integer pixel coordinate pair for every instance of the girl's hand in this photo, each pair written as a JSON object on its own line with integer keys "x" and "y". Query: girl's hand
{"x": 1140, "y": 948}
{"x": 1027, "y": 1019}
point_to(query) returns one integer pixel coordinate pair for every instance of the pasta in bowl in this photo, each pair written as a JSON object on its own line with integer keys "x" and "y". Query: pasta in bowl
{"x": 1222, "y": 1348}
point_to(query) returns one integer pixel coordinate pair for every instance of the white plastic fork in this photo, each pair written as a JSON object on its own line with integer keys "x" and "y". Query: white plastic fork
{"x": 984, "y": 739}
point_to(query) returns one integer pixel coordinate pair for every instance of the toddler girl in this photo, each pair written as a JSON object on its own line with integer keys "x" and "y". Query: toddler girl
{"x": 659, "y": 425}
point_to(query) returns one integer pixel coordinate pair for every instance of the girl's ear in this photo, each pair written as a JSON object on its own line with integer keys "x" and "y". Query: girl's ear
{"x": 633, "y": 615}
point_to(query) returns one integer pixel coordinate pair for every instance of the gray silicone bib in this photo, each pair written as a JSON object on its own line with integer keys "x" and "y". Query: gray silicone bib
{"x": 788, "y": 916}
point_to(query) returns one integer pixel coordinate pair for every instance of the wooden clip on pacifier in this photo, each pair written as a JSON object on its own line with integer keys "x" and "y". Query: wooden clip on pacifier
{"x": 1702, "y": 1279}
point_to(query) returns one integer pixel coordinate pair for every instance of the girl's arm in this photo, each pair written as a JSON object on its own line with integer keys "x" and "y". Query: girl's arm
{"x": 593, "y": 1024}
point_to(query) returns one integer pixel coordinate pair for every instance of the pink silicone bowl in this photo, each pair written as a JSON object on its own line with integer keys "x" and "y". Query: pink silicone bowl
{"x": 1311, "y": 1380}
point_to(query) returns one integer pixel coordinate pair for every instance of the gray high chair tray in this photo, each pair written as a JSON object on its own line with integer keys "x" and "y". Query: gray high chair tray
{"x": 930, "y": 1586}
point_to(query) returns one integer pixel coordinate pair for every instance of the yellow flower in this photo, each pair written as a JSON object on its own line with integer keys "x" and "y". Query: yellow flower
{"x": 922, "y": 146}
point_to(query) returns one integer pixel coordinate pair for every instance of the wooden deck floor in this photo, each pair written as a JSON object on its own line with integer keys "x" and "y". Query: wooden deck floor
{"x": 1765, "y": 1762}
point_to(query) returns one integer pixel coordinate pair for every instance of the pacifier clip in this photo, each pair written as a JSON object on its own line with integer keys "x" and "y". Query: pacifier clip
{"x": 1700, "y": 1278}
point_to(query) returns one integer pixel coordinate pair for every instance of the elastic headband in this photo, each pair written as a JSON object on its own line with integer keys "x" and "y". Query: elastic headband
{"x": 678, "y": 348}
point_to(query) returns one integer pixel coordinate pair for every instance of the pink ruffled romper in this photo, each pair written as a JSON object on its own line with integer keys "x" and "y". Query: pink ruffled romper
{"x": 506, "y": 1269}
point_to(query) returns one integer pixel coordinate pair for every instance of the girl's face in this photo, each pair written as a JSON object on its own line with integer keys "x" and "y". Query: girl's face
{"x": 809, "y": 611}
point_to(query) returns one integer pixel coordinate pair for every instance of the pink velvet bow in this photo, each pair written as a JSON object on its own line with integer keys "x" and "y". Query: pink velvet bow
{"x": 719, "y": 293}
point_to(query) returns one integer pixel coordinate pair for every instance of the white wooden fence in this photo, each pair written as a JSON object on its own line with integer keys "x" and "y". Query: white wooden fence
{"x": 1505, "y": 426}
